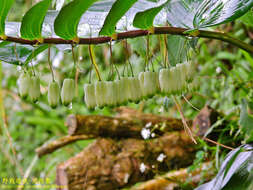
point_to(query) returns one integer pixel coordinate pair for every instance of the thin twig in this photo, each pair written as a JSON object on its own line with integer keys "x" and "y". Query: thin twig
{"x": 217, "y": 143}
{"x": 166, "y": 50}
{"x": 50, "y": 63}
{"x": 186, "y": 127}
{"x": 189, "y": 132}
{"x": 93, "y": 61}
{"x": 127, "y": 55}
{"x": 190, "y": 103}
{"x": 50, "y": 147}
{"x": 77, "y": 70}
{"x": 162, "y": 51}
{"x": 27, "y": 172}
{"x": 112, "y": 61}
{"x": 147, "y": 54}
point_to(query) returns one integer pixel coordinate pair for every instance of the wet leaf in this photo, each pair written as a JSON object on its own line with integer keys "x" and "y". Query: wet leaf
{"x": 235, "y": 172}
{"x": 5, "y": 6}
{"x": 31, "y": 25}
{"x": 66, "y": 23}
{"x": 119, "y": 8}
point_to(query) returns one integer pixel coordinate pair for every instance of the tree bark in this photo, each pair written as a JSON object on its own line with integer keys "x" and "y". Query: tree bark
{"x": 50, "y": 147}
{"x": 117, "y": 159}
{"x": 128, "y": 123}
{"x": 122, "y": 126}
{"x": 110, "y": 164}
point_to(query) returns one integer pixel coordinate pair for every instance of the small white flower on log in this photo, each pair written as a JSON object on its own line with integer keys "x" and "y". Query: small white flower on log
{"x": 149, "y": 124}
{"x": 145, "y": 133}
{"x": 142, "y": 167}
{"x": 161, "y": 157}
{"x": 126, "y": 177}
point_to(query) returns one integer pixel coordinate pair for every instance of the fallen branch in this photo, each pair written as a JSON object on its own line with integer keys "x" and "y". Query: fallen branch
{"x": 172, "y": 180}
{"x": 128, "y": 123}
{"x": 111, "y": 164}
{"x": 56, "y": 144}
{"x": 121, "y": 127}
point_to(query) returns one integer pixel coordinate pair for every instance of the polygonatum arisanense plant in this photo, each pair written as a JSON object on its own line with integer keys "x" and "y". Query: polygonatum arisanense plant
{"x": 94, "y": 22}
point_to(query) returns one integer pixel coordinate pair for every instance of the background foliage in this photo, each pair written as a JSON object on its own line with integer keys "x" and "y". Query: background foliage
{"x": 226, "y": 75}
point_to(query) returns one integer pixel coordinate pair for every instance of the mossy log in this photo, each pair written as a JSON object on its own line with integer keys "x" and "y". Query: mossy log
{"x": 127, "y": 124}
{"x": 121, "y": 127}
{"x": 50, "y": 147}
{"x": 109, "y": 164}
{"x": 120, "y": 157}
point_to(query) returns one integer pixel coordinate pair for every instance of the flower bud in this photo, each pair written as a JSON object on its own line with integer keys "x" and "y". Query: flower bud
{"x": 173, "y": 80}
{"x": 178, "y": 79}
{"x": 141, "y": 79}
{"x": 150, "y": 84}
{"x": 53, "y": 94}
{"x": 100, "y": 94}
{"x": 89, "y": 96}
{"x": 134, "y": 89}
{"x": 115, "y": 93}
{"x": 184, "y": 75}
{"x": 163, "y": 75}
{"x": 24, "y": 82}
{"x": 190, "y": 71}
{"x": 111, "y": 93}
{"x": 67, "y": 91}
{"x": 125, "y": 93}
{"x": 167, "y": 80}
{"x": 34, "y": 89}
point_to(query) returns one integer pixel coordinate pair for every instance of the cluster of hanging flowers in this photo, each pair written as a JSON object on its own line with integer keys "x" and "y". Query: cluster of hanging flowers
{"x": 169, "y": 81}
{"x": 174, "y": 80}
{"x": 29, "y": 88}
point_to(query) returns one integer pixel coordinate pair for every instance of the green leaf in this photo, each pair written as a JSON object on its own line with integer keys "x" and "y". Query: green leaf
{"x": 119, "y": 8}
{"x": 5, "y": 6}
{"x": 211, "y": 13}
{"x": 246, "y": 120}
{"x": 177, "y": 49}
{"x": 31, "y": 25}
{"x": 235, "y": 172}
{"x": 36, "y": 52}
{"x": 7, "y": 52}
{"x": 248, "y": 18}
{"x": 181, "y": 13}
{"x": 24, "y": 53}
{"x": 204, "y": 13}
{"x": 144, "y": 19}
{"x": 231, "y": 161}
{"x": 248, "y": 58}
{"x": 242, "y": 179}
{"x": 66, "y": 22}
